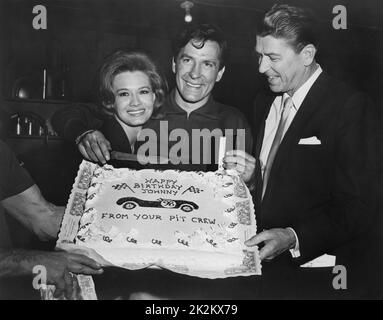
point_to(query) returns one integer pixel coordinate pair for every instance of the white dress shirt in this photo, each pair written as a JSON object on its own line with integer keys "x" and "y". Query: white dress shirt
{"x": 272, "y": 122}
{"x": 274, "y": 116}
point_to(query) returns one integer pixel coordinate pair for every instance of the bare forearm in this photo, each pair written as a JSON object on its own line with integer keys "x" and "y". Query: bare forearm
{"x": 37, "y": 214}
{"x": 57, "y": 266}
{"x": 17, "y": 262}
{"x": 70, "y": 122}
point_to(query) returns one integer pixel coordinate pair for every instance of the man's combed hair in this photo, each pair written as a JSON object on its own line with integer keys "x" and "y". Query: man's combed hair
{"x": 296, "y": 25}
{"x": 123, "y": 61}
{"x": 199, "y": 34}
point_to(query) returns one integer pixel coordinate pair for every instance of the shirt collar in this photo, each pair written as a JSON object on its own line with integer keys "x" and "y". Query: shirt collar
{"x": 209, "y": 110}
{"x": 301, "y": 93}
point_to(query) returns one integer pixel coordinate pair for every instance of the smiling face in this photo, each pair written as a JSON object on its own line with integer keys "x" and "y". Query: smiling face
{"x": 197, "y": 71}
{"x": 134, "y": 98}
{"x": 285, "y": 69}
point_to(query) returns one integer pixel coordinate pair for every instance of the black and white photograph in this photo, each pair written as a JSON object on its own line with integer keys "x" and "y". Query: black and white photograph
{"x": 210, "y": 150}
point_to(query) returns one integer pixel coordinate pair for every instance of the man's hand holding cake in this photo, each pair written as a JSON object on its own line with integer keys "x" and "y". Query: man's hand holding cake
{"x": 22, "y": 199}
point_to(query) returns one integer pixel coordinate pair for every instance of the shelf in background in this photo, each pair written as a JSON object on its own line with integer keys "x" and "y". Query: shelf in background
{"x": 43, "y": 108}
{"x": 48, "y": 101}
{"x": 33, "y": 137}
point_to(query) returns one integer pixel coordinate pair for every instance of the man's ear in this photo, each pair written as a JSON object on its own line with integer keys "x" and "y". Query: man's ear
{"x": 220, "y": 74}
{"x": 173, "y": 66}
{"x": 308, "y": 54}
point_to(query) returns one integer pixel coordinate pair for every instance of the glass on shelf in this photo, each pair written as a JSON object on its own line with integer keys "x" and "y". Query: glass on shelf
{"x": 26, "y": 125}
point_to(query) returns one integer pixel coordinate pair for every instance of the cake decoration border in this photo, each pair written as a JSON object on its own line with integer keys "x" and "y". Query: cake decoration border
{"x": 251, "y": 264}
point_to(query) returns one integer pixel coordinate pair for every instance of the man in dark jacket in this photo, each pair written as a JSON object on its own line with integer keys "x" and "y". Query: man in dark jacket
{"x": 314, "y": 167}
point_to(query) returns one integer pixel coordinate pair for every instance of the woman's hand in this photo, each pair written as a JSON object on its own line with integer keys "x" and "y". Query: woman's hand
{"x": 95, "y": 147}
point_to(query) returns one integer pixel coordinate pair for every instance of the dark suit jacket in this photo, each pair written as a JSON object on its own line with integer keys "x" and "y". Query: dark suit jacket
{"x": 326, "y": 192}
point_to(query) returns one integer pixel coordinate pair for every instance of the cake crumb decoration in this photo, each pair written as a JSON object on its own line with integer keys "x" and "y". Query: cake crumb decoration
{"x": 188, "y": 222}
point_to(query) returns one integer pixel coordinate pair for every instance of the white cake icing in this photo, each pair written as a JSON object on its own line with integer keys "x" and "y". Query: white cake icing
{"x": 190, "y": 222}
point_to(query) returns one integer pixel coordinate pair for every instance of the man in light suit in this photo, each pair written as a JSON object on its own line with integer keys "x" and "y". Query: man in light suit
{"x": 313, "y": 171}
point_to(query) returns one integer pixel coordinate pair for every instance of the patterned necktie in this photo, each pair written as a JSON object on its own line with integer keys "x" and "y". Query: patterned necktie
{"x": 287, "y": 105}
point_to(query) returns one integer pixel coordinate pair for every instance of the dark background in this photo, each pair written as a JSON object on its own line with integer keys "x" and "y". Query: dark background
{"x": 82, "y": 32}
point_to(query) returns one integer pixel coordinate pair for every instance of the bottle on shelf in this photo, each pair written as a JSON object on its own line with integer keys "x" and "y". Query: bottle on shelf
{"x": 62, "y": 83}
{"x": 18, "y": 127}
